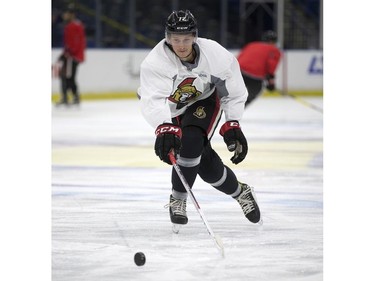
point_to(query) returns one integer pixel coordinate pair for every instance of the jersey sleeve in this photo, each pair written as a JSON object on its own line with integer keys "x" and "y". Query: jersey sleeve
{"x": 232, "y": 91}
{"x": 154, "y": 92}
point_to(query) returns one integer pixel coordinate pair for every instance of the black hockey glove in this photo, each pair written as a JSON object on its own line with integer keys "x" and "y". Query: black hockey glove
{"x": 168, "y": 136}
{"x": 270, "y": 82}
{"x": 235, "y": 140}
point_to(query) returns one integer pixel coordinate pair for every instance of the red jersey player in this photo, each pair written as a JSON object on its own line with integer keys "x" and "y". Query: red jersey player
{"x": 258, "y": 62}
{"x": 73, "y": 54}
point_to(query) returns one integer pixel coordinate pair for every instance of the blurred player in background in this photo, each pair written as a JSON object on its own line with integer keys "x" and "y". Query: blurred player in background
{"x": 74, "y": 40}
{"x": 258, "y": 62}
{"x": 186, "y": 84}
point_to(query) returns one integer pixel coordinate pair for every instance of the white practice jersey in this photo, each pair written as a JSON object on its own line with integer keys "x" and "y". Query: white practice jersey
{"x": 169, "y": 86}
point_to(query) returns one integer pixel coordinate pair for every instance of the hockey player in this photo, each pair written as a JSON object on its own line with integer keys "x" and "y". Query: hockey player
{"x": 186, "y": 84}
{"x": 72, "y": 56}
{"x": 258, "y": 62}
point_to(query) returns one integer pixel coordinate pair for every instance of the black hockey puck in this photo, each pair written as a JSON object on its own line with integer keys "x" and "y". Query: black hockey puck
{"x": 139, "y": 258}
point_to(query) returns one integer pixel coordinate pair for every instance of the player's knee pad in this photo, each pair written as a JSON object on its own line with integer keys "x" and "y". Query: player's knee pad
{"x": 211, "y": 167}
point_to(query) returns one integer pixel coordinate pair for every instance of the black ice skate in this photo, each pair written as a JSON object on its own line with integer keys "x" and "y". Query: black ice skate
{"x": 76, "y": 101}
{"x": 177, "y": 210}
{"x": 61, "y": 103}
{"x": 247, "y": 200}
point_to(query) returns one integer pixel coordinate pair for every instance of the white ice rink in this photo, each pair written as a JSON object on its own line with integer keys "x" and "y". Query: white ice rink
{"x": 109, "y": 191}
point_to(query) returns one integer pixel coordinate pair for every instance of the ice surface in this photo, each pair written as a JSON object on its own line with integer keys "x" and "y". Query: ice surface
{"x": 109, "y": 191}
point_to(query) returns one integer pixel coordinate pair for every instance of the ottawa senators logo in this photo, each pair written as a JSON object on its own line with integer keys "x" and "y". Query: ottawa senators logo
{"x": 185, "y": 92}
{"x": 200, "y": 113}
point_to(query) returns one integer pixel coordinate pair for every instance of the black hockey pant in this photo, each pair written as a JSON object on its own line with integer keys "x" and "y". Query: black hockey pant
{"x": 254, "y": 88}
{"x": 68, "y": 79}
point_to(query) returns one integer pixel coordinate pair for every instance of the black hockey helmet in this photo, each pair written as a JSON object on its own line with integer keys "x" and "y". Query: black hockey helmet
{"x": 269, "y": 36}
{"x": 71, "y": 8}
{"x": 181, "y": 22}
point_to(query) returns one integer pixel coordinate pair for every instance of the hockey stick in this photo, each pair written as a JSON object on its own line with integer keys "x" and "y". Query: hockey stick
{"x": 218, "y": 242}
{"x": 312, "y": 106}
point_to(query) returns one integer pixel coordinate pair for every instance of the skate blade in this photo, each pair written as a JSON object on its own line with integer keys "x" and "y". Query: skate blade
{"x": 176, "y": 228}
